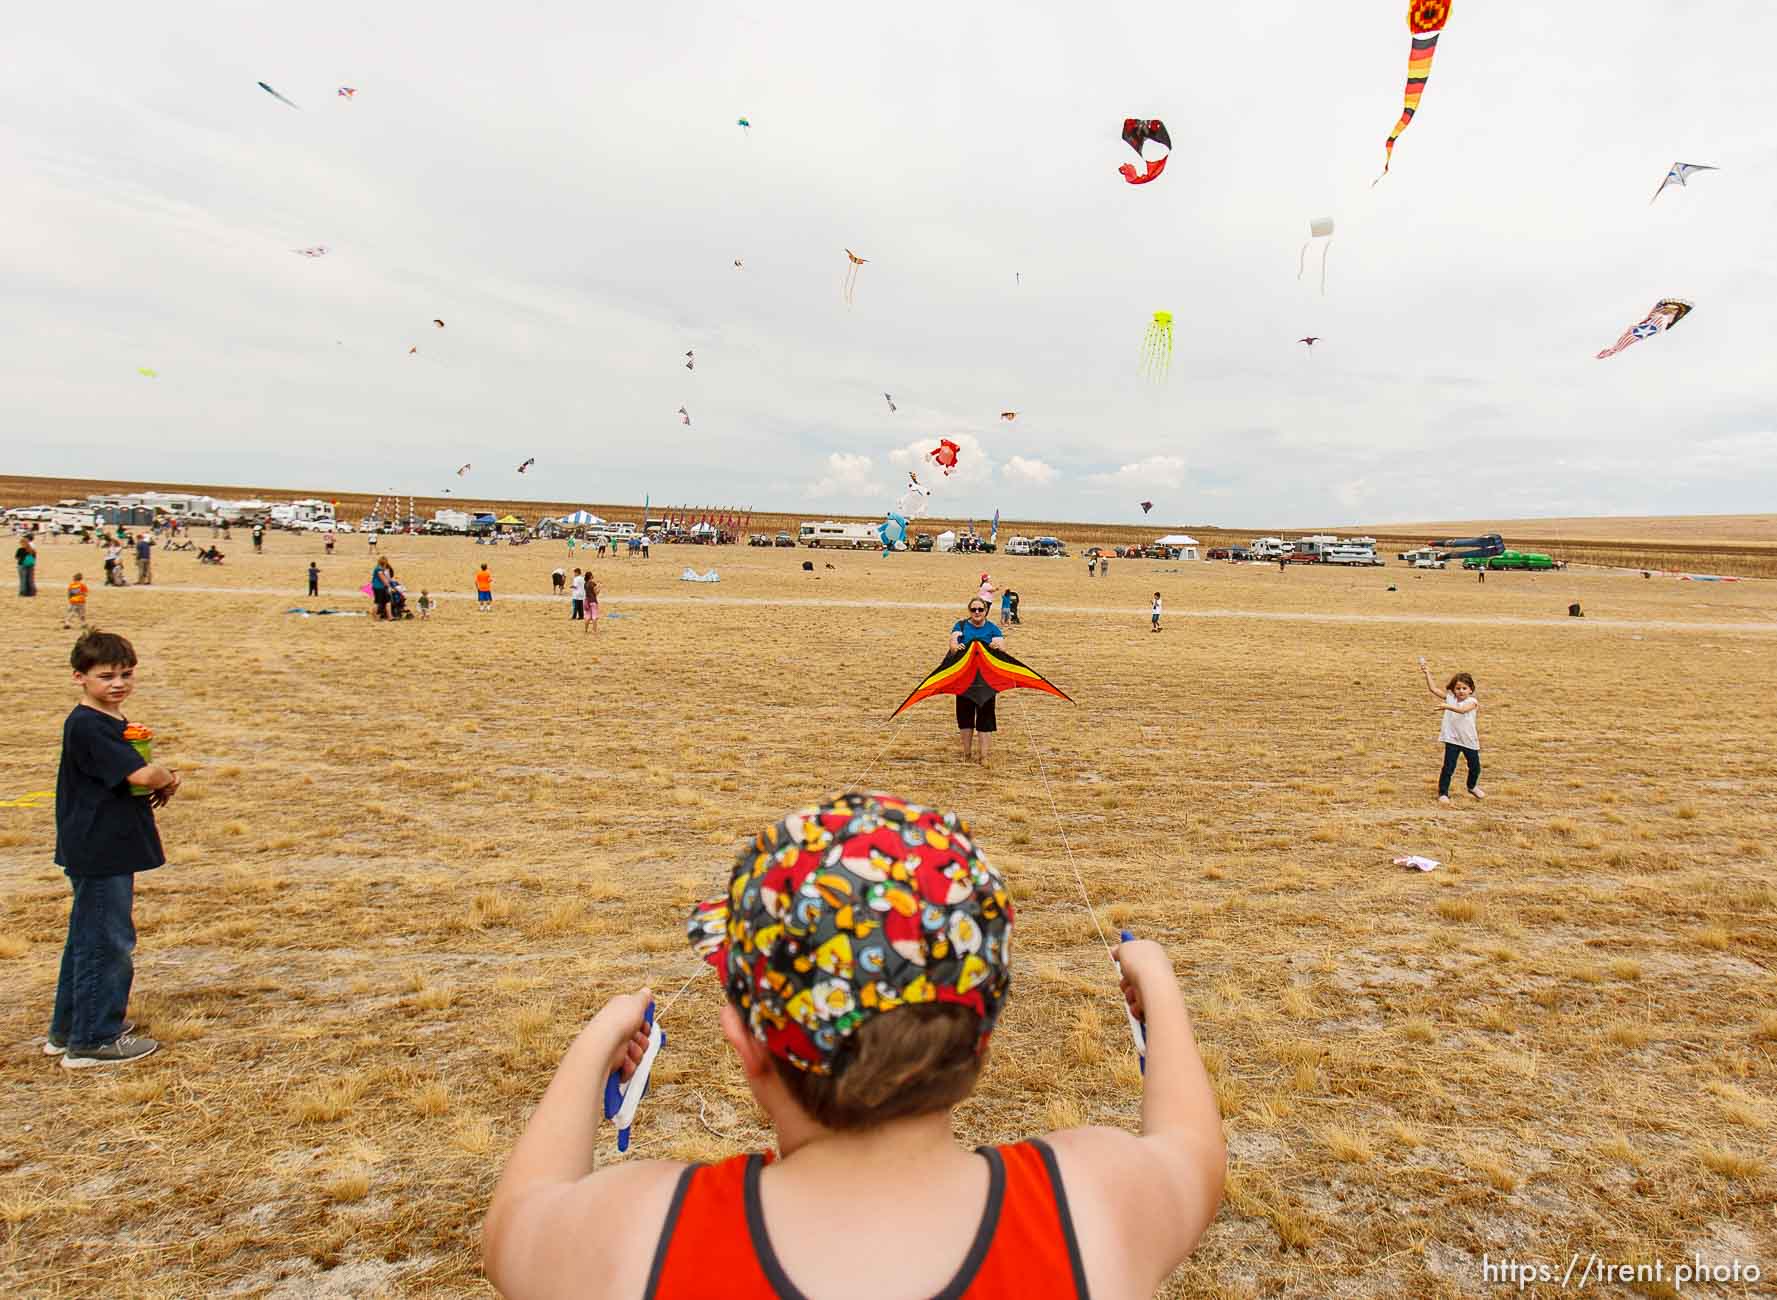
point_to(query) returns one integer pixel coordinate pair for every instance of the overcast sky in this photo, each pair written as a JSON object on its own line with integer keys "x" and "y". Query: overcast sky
{"x": 566, "y": 186}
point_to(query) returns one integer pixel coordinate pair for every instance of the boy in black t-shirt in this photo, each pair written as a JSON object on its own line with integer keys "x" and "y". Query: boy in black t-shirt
{"x": 106, "y": 793}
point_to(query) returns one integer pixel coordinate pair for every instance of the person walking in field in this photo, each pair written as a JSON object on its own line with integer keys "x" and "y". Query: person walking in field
{"x": 26, "y": 558}
{"x": 314, "y": 579}
{"x": 144, "y": 560}
{"x": 76, "y": 603}
{"x": 557, "y": 580}
{"x": 592, "y": 603}
{"x": 484, "y": 590}
{"x": 578, "y": 596}
{"x": 1154, "y": 614}
{"x": 1457, "y": 706}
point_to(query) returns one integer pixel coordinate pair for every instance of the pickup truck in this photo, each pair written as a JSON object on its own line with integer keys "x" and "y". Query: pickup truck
{"x": 1428, "y": 562}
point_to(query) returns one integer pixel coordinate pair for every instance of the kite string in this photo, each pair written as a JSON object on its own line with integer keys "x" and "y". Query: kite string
{"x": 1055, "y": 813}
{"x": 701, "y": 968}
{"x": 869, "y": 768}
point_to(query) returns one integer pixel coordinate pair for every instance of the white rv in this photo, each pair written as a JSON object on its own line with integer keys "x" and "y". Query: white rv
{"x": 1352, "y": 552}
{"x": 829, "y": 532}
{"x": 1268, "y": 548}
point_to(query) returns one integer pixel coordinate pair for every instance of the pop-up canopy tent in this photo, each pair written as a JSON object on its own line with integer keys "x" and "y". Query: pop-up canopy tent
{"x": 580, "y": 518}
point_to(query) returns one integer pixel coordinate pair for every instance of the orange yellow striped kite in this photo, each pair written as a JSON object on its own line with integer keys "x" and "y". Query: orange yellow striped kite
{"x": 976, "y": 669}
{"x": 1425, "y": 19}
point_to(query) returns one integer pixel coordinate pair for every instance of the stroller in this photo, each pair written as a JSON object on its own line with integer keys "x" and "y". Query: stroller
{"x": 398, "y": 602}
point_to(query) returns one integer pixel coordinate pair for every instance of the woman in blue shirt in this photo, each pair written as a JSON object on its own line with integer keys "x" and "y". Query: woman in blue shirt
{"x": 974, "y": 707}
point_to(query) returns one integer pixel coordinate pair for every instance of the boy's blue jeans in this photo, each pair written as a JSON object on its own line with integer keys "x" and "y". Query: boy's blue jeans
{"x": 94, "y": 989}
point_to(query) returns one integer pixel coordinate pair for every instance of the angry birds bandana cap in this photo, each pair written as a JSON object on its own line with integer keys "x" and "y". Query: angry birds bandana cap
{"x": 846, "y": 910}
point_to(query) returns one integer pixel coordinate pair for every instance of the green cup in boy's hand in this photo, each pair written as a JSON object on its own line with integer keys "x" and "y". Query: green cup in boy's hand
{"x": 141, "y": 739}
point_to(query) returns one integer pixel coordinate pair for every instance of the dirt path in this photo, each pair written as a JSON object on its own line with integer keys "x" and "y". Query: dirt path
{"x": 356, "y": 599}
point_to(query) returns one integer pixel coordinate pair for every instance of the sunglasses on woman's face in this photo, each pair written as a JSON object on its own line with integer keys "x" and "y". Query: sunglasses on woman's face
{"x": 977, "y": 609}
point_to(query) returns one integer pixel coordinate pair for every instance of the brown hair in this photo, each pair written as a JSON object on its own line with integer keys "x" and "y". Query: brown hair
{"x": 95, "y": 647}
{"x": 1464, "y": 678}
{"x": 915, "y": 1061}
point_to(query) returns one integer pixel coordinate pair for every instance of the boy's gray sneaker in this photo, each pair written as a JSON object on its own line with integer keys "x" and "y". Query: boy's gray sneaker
{"x": 53, "y": 1046}
{"x": 119, "y": 1051}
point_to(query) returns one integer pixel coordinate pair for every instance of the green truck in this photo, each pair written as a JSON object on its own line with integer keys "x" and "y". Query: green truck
{"x": 1512, "y": 560}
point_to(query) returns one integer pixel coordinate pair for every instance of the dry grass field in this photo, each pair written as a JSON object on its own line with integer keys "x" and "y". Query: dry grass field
{"x": 410, "y": 860}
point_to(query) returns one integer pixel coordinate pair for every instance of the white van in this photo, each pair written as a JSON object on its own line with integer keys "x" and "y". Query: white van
{"x": 1021, "y": 546}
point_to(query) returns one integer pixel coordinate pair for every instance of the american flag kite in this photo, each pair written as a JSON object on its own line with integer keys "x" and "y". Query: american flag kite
{"x": 1666, "y": 313}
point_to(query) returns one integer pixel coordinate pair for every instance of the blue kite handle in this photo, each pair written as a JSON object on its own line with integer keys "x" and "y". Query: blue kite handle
{"x": 1138, "y": 1029}
{"x": 617, "y": 1092}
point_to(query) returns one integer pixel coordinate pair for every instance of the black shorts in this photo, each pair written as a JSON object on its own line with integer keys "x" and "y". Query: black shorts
{"x": 971, "y": 716}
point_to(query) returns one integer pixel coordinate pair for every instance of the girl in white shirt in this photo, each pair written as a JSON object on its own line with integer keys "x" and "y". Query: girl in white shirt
{"x": 1457, "y": 707}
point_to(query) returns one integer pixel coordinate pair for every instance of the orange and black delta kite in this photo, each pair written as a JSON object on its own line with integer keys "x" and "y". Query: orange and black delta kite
{"x": 979, "y": 672}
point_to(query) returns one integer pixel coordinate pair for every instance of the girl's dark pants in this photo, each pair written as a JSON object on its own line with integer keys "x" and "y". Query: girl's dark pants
{"x": 94, "y": 988}
{"x": 1474, "y": 766}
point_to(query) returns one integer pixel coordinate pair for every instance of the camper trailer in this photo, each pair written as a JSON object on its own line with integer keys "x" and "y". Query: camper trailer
{"x": 829, "y": 532}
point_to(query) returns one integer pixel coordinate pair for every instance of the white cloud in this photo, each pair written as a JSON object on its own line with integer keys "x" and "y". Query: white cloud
{"x": 848, "y": 475}
{"x": 1023, "y": 469}
{"x": 1153, "y": 472}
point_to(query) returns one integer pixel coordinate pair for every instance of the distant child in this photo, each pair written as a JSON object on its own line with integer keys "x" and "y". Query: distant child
{"x": 425, "y": 604}
{"x": 862, "y": 1102}
{"x": 106, "y": 794}
{"x": 484, "y": 590}
{"x": 76, "y": 603}
{"x": 1154, "y": 614}
{"x": 592, "y": 604}
{"x": 1457, "y": 706}
{"x": 314, "y": 579}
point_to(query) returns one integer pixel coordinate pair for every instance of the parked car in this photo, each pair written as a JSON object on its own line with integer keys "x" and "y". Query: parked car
{"x": 1302, "y": 557}
{"x": 1217, "y": 553}
{"x": 1238, "y": 553}
{"x": 1430, "y": 562}
{"x": 783, "y": 539}
{"x": 922, "y": 541}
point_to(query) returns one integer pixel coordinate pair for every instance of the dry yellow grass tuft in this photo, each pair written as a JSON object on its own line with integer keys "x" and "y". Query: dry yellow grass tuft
{"x": 1563, "y": 1034}
{"x": 344, "y": 1188}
